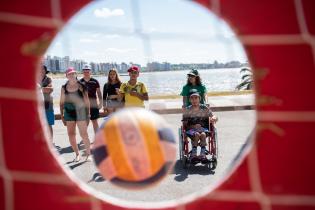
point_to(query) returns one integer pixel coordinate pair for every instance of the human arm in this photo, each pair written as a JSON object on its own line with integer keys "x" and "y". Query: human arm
{"x": 100, "y": 99}
{"x": 143, "y": 95}
{"x": 105, "y": 92}
{"x": 48, "y": 89}
{"x": 204, "y": 94}
{"x": 184, "y": 102}
{"x": 184, "y": 93}
{"x": 121, "y": 92}
{"x": 212, "y": 117}
{"x": 61, "y": 105}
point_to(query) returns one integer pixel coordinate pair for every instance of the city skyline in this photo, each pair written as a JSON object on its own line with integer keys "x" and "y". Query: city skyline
{"x": 120, "y": 31}
{"x": 60, "y": 64}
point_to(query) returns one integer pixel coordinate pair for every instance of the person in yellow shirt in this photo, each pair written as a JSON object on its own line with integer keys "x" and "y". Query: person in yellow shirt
{"x": 135, "y": 92}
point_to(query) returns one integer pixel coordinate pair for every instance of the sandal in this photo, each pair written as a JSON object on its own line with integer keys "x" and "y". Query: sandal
{"x": 77, "y": 158}
{"x": 88, "y": 158}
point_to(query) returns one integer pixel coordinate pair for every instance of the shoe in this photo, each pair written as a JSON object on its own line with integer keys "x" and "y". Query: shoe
{"x": 77, "y": 158}
{"x": 88, "y": 158}
{"x": 203, "y": 152}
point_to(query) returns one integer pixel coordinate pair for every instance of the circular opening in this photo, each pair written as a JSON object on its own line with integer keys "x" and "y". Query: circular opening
{"x": 166, "y": 45}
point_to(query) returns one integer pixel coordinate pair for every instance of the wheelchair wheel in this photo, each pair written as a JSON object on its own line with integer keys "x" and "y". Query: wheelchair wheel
{"x": 216, "y": 145}
{"x": 213, "y": 164}
{"x": 180, "y": 144}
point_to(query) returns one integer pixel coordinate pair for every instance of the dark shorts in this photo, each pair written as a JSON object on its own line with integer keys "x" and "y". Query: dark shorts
{"x": 50, "y": 117}
{"x": 95, "y": 113}
{"x": 78, "y": 114}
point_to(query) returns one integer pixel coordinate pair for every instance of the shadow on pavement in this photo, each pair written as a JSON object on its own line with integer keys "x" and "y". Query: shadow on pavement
{"x": 69, "y": 149}
{"x": 182, "y": 173}
{"x": 75, "y": 165}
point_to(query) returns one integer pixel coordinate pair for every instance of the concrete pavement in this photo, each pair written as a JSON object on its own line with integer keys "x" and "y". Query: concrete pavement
{"x": 233, "y": 129}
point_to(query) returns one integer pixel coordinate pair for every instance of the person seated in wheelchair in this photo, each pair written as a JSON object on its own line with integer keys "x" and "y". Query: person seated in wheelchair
{"x": 196, "y": 121}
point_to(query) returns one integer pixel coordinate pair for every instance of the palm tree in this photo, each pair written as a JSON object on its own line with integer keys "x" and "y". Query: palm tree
{"x": 247, "y": 80}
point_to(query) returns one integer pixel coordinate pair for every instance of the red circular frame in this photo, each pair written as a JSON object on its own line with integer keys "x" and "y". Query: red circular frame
{"x": 278, "y": 173}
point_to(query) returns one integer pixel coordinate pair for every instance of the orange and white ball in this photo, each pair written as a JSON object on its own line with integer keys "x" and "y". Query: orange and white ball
{"x": 134, "y": 148}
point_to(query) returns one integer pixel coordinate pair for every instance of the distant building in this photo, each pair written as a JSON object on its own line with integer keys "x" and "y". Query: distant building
{"x": 58, "y": 64}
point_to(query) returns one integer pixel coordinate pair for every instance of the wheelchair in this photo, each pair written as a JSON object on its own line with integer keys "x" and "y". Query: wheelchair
{"x": 211, "y": 149}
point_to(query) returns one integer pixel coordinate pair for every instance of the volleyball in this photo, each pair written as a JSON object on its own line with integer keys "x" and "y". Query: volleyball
{"x": 134, "y": 148}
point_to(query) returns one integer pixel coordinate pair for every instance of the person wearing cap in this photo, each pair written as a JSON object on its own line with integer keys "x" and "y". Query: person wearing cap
{"x": 111, "y": 92}
{"x": 193, "y": 84}
{"x": 134, "y": 92}
{"x": 47, "y": 89}
{"x": 95, "y": 95}
{"x": 196, "y": 120}
{"x": 75, "y": 111}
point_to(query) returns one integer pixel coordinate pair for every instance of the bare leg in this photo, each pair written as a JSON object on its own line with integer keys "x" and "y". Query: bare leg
{"x": 203, "y": 137}
{"x": 194, "y": 143}
{"x": 195, "y": 140}
{"x": 51, "y": 134}
{"x": 72, "y": 139}
{"x": 95, "y": 125}
{"x": 84, "y": 135}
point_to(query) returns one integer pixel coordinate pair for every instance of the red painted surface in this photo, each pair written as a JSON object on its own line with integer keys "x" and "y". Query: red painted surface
{"x": 285, "y": 162}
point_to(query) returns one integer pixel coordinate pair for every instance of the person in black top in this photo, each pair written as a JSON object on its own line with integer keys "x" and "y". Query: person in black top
{"x": 47, "y": 89}
{"x": 111, "y": 91}
{"x": 95, "y": 95}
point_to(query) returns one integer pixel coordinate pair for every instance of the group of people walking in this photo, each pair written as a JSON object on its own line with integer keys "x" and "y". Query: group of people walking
{"x": 81, "y": 100}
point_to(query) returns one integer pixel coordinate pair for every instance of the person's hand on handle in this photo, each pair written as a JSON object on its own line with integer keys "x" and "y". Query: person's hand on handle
{"x": 214, "y": 119}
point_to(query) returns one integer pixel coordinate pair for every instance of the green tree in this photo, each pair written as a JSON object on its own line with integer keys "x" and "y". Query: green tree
{"x": 247, "y": 80}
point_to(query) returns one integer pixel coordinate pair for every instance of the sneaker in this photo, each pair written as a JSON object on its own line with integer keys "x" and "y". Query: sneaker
{"x": 203, "y": 152}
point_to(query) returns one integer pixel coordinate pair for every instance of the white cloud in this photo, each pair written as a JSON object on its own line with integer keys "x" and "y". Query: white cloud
{"x": 112, "y": 36}
{"x": 106, "y": 13}
{"x": 116, "y": 50}
{"x": 58, "y": 43}
{"x": 87, "y": 40}
{"x": 151, "y": 30}
{"x": 95, "y": 35}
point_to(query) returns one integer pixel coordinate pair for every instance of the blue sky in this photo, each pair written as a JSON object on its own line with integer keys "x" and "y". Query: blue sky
{"x": 174, "y": 31}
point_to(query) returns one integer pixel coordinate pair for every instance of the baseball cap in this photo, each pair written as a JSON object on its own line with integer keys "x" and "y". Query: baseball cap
{"x": 133, "y": 68}
{"x": 70, "y": 70}
{"x": 193, "y": 72}
{"x": 86, "y": 67}
{"x": 194, "y": 92}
